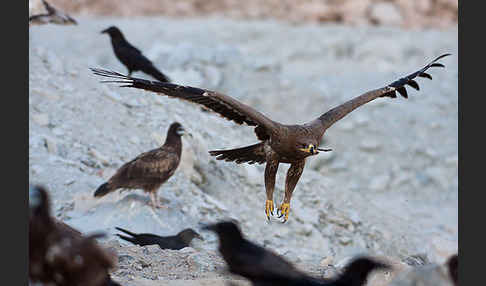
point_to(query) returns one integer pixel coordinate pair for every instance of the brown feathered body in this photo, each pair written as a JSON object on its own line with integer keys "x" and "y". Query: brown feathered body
{"x": 279, "y": 143}
{"x": 61, "y": 255}
{"x": 149, "y": 170}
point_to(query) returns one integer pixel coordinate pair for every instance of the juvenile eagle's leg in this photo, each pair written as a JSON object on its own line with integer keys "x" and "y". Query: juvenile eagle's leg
{"x": 270, "y": 174}
{"x": 154, "y": 202}
{"x": 293, "y": 176}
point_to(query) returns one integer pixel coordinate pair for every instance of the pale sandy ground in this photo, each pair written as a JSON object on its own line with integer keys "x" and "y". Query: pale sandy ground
{"x": 389, "y": 188}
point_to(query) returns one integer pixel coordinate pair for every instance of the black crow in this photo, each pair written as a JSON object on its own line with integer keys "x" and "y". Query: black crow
{"x": 453, "y": 266}
{"x": 263, "y": 267}
{"x": 175, "y": 242}
{"x": 132, "y": 57}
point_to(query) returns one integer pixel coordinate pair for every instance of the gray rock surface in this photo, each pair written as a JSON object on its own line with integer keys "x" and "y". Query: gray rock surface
{"x": 390, "y": 188}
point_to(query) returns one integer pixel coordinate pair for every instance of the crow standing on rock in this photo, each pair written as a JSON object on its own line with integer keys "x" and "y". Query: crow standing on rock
{"x": 175, "y": 242}
{"x": 132, "y": 57}
{"x": 279, "y": 143}
{"x": 263, "y": 267}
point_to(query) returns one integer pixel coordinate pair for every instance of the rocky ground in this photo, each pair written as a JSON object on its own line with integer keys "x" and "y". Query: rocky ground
{"x": 403, "y": 13}
{"x": 388, "y": 189}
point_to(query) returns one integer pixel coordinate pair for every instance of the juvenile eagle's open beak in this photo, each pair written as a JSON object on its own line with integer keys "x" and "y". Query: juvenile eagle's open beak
{"x": 181, "y": 131}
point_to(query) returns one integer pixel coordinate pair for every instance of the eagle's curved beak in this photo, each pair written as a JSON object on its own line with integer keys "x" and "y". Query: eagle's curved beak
{"x": 310, "y": 149}
{"x": 313, "y": 150}
{"x": 324, "y": 150}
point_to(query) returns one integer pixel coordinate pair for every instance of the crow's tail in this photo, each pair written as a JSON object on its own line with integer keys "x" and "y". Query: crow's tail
{"x": 130, "y": 239}
{"x": 102, "y": 190}
{"x": 151, "y": 70}
{"x": 249, "y": 154}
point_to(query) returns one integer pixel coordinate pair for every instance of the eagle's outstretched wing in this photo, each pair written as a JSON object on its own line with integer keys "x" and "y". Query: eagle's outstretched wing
{"x": 224, "y": 105}
{"x": 329, "y": 118}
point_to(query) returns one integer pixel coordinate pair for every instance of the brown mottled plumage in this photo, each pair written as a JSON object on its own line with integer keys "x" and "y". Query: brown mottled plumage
{"x": 149, "y": 170}
{"x": 61, "y": 255}
{"x": 52, "y": 16}
{"x": 280, "y": 143}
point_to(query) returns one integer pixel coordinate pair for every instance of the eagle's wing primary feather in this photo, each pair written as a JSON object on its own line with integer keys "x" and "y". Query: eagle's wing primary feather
{"x": 249, "y": 154}
{"x": 329, "y": 118}
{"x": 224, "y": 105}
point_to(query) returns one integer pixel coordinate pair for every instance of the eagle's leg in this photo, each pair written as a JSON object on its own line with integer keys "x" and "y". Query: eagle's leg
{"x": 293, "y": 176}
{"x": 270, "y": 174}
{"x": 154, "y": 202}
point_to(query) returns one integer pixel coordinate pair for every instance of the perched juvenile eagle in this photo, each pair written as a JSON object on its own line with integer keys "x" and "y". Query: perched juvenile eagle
{"x": 263, "y": 267}
{"x": 150, "y": 169}
{"x": 280, "y": 143}
{"x": 175, "y": 242}
{"x": 52, "y": 16}
{"x": 132, "y": 57}
{"x": 61, "y": 255}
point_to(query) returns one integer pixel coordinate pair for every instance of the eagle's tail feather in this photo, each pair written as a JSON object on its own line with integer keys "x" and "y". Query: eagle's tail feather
{"x": 249, "y": 154}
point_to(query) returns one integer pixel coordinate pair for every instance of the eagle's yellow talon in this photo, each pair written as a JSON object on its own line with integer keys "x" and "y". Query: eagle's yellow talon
{"x": 284, "y": 209}
{"x": 269, "y": 208}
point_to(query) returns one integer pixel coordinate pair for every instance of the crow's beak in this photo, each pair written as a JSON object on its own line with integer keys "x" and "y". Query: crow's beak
{"x": 384, "y": 266}
{"x": 200, "y": 237}
{"x": 104, "y": 31}
{"x": 210, "y": 227}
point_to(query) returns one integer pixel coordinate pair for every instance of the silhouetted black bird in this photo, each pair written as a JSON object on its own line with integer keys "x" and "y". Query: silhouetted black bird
{"x": 262, "y": 267}
{"x": 453, "y": 266}
{"x": 132, "y": 57}
{"x": 59, "y": 254}
{"x": 175, "y": 242}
